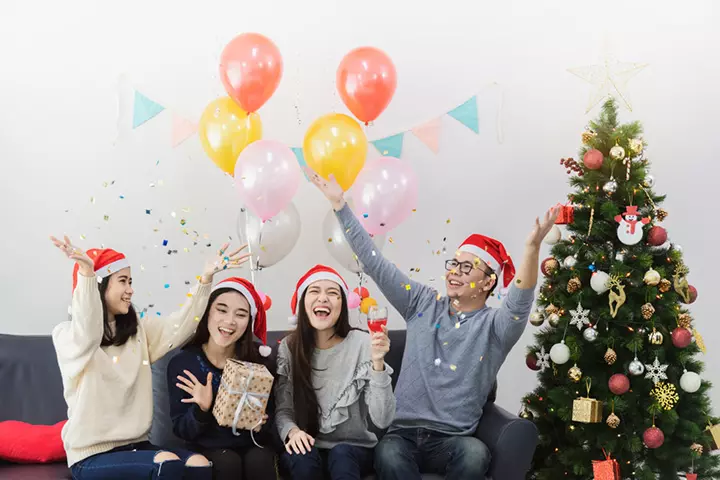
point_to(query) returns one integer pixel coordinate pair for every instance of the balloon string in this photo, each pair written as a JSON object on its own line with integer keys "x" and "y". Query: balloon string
{"x": 253, "y": 262}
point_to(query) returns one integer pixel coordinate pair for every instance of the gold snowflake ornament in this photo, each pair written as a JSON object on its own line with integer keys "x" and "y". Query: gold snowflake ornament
{"x": 665, "y": 394}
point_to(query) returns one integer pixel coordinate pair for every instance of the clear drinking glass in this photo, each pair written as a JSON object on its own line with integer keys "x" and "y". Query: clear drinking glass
{"x": 377, "y": 318}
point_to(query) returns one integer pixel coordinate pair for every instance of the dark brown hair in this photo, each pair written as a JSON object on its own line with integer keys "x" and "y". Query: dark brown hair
{"x": 125, "y": 325}
{"x": 301, "y": 343}
{"x": 245, "y": 347}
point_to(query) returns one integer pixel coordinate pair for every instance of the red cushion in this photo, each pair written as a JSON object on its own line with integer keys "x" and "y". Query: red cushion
{"x": 25, "y": 443}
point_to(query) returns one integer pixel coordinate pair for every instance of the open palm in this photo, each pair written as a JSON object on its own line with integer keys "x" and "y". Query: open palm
{"x": 330, "y": 187}
{"x": 542, "y": 228}
{"x": 200, "y": 394}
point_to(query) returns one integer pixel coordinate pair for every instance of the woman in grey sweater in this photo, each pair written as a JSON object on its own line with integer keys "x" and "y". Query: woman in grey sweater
{"x": 330, "y": 379}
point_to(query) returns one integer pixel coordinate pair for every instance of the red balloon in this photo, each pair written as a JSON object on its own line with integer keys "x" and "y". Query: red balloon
{"x": 531, "y": 362}
{"x": 657, "y": 236}
{"x": 366, "y": 80}
{"x": 250, "y": 70}
{"x": 619, "y": 384}
{"x": 362, "y": 291}
{"x": 593, "y": 159}
{"x": 653, "y": 437}
{"x": 681, "y": 337}
{"x": 267, "y": 303}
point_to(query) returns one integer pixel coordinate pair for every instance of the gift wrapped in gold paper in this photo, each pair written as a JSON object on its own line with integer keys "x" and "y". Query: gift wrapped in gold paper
{"x": 243, "y": 395}
{"x": 715, "y": 432}
{"x": 586, "y": 409}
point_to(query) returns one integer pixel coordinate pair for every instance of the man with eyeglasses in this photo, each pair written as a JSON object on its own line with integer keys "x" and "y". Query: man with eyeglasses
{"x": 454, "y": 349}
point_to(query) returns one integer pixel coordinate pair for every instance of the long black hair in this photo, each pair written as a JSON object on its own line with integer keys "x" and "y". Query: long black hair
{"x": 301, "y": 343}
{"x": 245, "y": 347}
{"x": 126, "y": 325}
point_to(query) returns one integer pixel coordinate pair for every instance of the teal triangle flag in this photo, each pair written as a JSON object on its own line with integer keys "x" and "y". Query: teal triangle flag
{"x": 144, "y": 109}
{"x": 390, "y": 146}
{"x": 298, "y": 151}
{"x": 467, "y": 114}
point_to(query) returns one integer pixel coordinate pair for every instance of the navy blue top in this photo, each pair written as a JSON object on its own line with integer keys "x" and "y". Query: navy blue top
{"x": 200, "y": 428}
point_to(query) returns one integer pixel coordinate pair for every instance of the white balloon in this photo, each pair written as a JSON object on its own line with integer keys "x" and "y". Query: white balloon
{"x": 690, "y": 382}
{"x": 273, "y": 240}
{"x": 553, "y": 236}
{"x": 335, "y": 242}
{"x": 560, "y": 353}
{"x": 598, "y": 282}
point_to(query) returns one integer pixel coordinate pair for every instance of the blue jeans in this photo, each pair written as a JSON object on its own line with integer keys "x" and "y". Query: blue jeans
{"x": 137, "y": 461}
{"x": 342, "y": 462}
{"x": 405, "y": 453}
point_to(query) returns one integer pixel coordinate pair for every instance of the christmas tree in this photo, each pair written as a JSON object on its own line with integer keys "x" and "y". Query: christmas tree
{"x": 617, "y": 357}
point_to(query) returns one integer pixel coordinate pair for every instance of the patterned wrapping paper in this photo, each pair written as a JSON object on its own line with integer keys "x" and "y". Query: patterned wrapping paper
{"x": 243, "y": 395}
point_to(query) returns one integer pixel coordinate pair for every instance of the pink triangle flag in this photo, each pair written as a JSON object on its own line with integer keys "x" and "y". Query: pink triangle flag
{"x": 429, "y": 134}
{"x": 182, "y": 129}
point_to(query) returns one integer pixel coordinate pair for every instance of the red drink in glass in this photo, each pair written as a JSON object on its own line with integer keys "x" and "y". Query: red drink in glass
{"x": 377, "y": 318}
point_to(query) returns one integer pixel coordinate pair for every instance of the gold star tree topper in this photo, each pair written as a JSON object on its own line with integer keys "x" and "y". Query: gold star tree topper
{"x": 610, "y": 78}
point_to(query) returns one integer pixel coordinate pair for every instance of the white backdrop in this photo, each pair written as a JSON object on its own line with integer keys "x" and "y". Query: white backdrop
{"x": 65, "y": 92}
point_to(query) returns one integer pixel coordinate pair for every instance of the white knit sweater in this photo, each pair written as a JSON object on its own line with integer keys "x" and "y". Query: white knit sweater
{"x": 108, "y": 390}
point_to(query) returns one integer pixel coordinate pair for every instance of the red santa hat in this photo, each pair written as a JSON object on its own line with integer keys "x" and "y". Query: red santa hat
{"x": 318, "y": 272}
{"x": 257, "y": 310}
{"x": 106, "y": 261}
{"x": 493, "y": 253}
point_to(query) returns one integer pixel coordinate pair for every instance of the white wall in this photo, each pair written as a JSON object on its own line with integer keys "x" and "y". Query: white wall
{"x": 66, "y": 69}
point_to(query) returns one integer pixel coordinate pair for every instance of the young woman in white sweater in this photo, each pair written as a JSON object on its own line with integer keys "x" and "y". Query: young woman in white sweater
{"x": 105, "y": 352}
{"x": 331, "y": 381}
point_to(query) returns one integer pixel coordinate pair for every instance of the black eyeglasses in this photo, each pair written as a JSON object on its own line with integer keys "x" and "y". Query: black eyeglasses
{"x": 463, "y": 267}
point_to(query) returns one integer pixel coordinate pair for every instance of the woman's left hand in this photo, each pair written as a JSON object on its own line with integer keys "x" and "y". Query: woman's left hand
{"x": 223, "y": 261}
{"x": 264, "y": 421}
{"x": 380, "y": 346}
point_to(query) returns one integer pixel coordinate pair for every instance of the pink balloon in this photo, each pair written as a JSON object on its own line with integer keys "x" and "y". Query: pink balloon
{"x": 250, "y": 69}
{"x": 385, "y": 194}
{"x": 267, "y": 176}
{"x": 353, "y": 300}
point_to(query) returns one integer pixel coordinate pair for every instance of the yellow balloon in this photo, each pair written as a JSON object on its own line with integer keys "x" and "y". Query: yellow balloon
{"x": 225, "y": 130}
{"x": 366, "y": 304}
{"x": 336, "y": 144}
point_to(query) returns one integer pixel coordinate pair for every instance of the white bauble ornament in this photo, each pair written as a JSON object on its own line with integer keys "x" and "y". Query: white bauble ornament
{"x": 652, "y": 277}
{"x": 649, "y": 181}
{"x": 636, "y": 367}
{"x": 560, "y": 353}
{"x": 690, "y": 382}
{"x": 677, "y": 248}
{"x": 590, "y": 334}
{"x": 611, "y": 186}
{"x": 598, "y": 282}
{"x": 569, "y": 261}
{"x": 620, "y": 255}
{"x": 553, "y": 236}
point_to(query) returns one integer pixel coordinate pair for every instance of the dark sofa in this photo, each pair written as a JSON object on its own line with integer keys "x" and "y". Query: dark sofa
{"x": 32, "y": 392}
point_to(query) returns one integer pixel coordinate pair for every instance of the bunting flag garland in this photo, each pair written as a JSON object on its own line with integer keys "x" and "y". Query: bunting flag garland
{"x": 390, "y": 146}
{"x": 429, "y": 134}
{"x": 144, "y": 109}
{"x": 467, "y": 114}
{"x": 298, "y": 151}
{"x": 182, "y": 129}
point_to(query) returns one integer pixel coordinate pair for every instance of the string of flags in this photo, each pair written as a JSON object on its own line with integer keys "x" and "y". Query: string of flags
{"x": 145, "y": 109}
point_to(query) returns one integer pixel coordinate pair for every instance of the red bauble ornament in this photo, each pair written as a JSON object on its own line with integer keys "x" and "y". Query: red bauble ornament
{"x": 531, "y": 362}
{"x": 653, "y": 437}
{"x": 619, "y": 384}
{"x": 657, "y": 236}
{"x": 593, "y": 159}
{"x": 362, "y": 291}
{"x": 681, "y": 337}
{"x": 267, "y": 303}
{"x": 549, "y": 266}
{"x": 693, "y": 293}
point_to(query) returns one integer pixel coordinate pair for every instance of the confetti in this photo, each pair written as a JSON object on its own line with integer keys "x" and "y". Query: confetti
{"x": 390, "y": 240}
{"x": 115, "y": 359}
{"x": 167, "y": 285}
{"x": 437, "y": 325}
{"x": 152, "y": 185}
{"x": 173, "y": 214}
{"x": 165, "y": 242}
{"x": 447, "y": 221}
{"x": 437, "y": 362}
{"x": 122, "y": 197}
{"x": 183, "y": 222}
{"x": 457, "y": 324}
{"x": 148, "y": 211}
{"x": 453, "y": 367}
{"x": 420, "y": 315}
{"x": 82, "y": 237}
{"x": 92, "y": 199}
{"x": 472, "y": 284}
{"x": 445, "y": 344}
{"x": 462, "y": 316}
{"x": 330, "y": 240}
{"x": 106, "y": 217}
{"x": 373, "y": 254}
{"x": 186, "y": 209}
{"x": 414, "y": 210}
{"x": 407, "y": 287}
{"x": 481, "y": 357}
{"x": 146, "y": 363}
{"x": 158, "y": 314}
{"x": 142, "y": 268}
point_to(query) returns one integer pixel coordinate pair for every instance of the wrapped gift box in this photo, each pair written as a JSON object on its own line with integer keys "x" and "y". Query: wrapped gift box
{"x": 607, "y": 469}
{"x": 243, "y": 395}
{"x": 587, "y": 410}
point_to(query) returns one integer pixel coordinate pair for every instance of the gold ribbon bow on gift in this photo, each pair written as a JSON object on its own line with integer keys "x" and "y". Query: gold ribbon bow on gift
{"x": 250, "y": 399}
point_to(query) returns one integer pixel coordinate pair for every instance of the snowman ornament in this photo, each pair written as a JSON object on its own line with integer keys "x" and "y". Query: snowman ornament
{"x": 630, "y": 229}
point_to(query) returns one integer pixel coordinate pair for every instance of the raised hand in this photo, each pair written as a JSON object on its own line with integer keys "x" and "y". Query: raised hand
{"x": 299, "y": 442}
{"x": 541, "y": 229}
{"x": 330, "y": 188}
{"x": 86, "y": 266}
{"x": 223, "y": 261}
{"x": 380, "y": 346}
{"x": 200, "y": 394}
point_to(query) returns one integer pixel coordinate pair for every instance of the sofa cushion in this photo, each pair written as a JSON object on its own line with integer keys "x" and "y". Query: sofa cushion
{"x": 26, "y": 443}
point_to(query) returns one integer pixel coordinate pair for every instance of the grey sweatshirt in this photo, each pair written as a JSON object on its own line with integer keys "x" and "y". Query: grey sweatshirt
{"x": 348, "y": 391}
{"x": 450, "y": 360}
